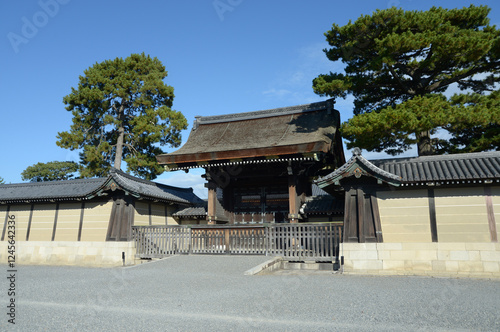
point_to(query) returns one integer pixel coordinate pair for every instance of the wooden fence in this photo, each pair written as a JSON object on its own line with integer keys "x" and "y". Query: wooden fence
{"x": 296, "y": 242}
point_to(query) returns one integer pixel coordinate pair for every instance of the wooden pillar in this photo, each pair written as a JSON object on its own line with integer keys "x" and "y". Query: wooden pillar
{"x": 212, "y": 197}
{"x": 293, "y": 199}
{"x": 351, "y": 216}
{"x": 361, "y": 215}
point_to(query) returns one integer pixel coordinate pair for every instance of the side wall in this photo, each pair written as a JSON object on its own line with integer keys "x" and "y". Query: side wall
{"x": 73, "y": 233}
{"x": 404, "y": 216}
{"x": 465, "y": 243}
{"x": 97, "y": 254}
{"x": 460, "y": 214}
{"x": 148, "y": 213}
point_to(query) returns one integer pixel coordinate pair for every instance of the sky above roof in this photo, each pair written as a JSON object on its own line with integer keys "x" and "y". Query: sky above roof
{"x": 222, "y": 56}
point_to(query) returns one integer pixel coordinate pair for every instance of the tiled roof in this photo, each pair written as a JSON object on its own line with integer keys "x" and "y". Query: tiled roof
{"x": 324, "y": 204}
{"x": 191, "y": 212}
{"x": 357, "y": 165}
{"x": 454, "y": 167}
{"x": 451, "y": 169}
{"x": 317, "y": 191}
{"x": 51, "y": 190}
{"x": 153, "y": 189}
{"x": 87, "y": 188}
{"x": 308, "y": 128}
{"x": 201, "y": 210}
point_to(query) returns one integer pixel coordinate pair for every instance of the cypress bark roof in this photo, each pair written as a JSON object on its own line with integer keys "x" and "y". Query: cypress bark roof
{"x": 83, "y": 189}
{"x": 308, "y": 128}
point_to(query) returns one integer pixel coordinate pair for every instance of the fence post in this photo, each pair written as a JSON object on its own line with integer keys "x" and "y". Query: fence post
{"x": 266, "y": 239}
{"x": 190, "y": 241}
{"x": 226, "y": 240}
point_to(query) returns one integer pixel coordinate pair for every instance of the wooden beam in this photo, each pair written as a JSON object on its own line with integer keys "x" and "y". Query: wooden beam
{"x": 5, "y": 222}
{"x": 130, "y": 219}
{"x": 376, "y": 219}
{"x": 80, "y": 225}
{"x": 293, "y": 199}
{"x": 432, "y": 215}
{"x": 29, "y": 222}
{"x": 54, "y": 228}
{"x": 212, "y": 196}
{"x": 351, "y": 215}
{"x": 112, "y": 220}
{"x": 361, "y": 215}
{"x": 491, "y": 215}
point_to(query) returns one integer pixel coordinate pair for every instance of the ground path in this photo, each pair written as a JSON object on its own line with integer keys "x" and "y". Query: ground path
{"x": 211, "y": 293}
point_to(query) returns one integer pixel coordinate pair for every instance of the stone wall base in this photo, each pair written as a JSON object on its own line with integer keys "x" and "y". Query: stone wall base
{"x": 96, "y": 254}
{"x": 480, "y": 260}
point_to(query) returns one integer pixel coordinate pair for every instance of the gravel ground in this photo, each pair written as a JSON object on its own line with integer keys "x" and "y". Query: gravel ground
{"x": 211, "y": 293}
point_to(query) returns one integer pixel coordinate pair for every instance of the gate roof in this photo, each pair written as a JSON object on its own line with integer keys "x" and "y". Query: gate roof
{"x": 301, "y": 130}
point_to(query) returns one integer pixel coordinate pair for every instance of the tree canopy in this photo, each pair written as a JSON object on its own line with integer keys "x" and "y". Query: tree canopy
{"x": 122, "y": 111}
{"x": 399, "y": 64}
{"x": 51, "y": 171}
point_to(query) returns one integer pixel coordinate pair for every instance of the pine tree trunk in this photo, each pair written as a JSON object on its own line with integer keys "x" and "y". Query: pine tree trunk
{"x": 424, "y": 145}
{"x": 119, "y": 141}
{"x": 119, "y": 148}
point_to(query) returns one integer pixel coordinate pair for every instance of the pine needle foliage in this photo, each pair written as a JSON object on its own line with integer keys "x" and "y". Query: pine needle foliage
{"x": 122, "y": 110}
{"x": 399, "y": 64}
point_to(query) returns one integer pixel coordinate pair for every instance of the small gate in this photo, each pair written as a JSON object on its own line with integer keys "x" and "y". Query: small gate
{"x": 296, "y": 242}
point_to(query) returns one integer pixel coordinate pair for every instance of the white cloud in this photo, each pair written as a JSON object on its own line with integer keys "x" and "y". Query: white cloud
{"x": 277, "y": 92}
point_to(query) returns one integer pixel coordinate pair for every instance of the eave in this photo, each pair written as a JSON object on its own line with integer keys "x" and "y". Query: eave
{"x": 266, "y": 152}
{"x": 357, "y": 167}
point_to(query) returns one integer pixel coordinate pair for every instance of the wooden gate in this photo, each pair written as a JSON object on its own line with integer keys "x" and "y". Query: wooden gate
{"x": 295, "y": 242}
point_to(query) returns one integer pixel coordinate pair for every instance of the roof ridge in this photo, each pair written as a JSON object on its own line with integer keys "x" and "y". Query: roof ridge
{"x": 315, "y": 106}
{"x": 148, "y": 182}
{"x": 454, "y": 156}
{"x": 52, "y": 182}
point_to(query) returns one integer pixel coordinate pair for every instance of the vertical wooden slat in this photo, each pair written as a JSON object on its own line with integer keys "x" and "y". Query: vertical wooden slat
{"x": 80, "y": 224}
{"x": 376, "y": 218}
{"x": 293, "y": 241}
{"x": 361, "y": 215}
{"x": 492, "y": 225}
{"x": 5, "y": 222}
{"x": 29, "y": 222}
{"x": 432, "y": 215}
{"x": 55, "y": 222}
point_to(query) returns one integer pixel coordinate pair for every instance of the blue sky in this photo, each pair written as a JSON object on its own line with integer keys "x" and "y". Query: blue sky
{"x": 222, "y": 56}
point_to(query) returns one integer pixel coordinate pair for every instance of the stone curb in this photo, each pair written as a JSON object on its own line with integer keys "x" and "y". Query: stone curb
{"x": 269, "y": 265}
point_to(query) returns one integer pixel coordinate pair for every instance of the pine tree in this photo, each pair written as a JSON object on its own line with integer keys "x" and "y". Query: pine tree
{"x": 399, "y": 63}
{"x": 122, "y": 111}
{"x": 51, "y": 171}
